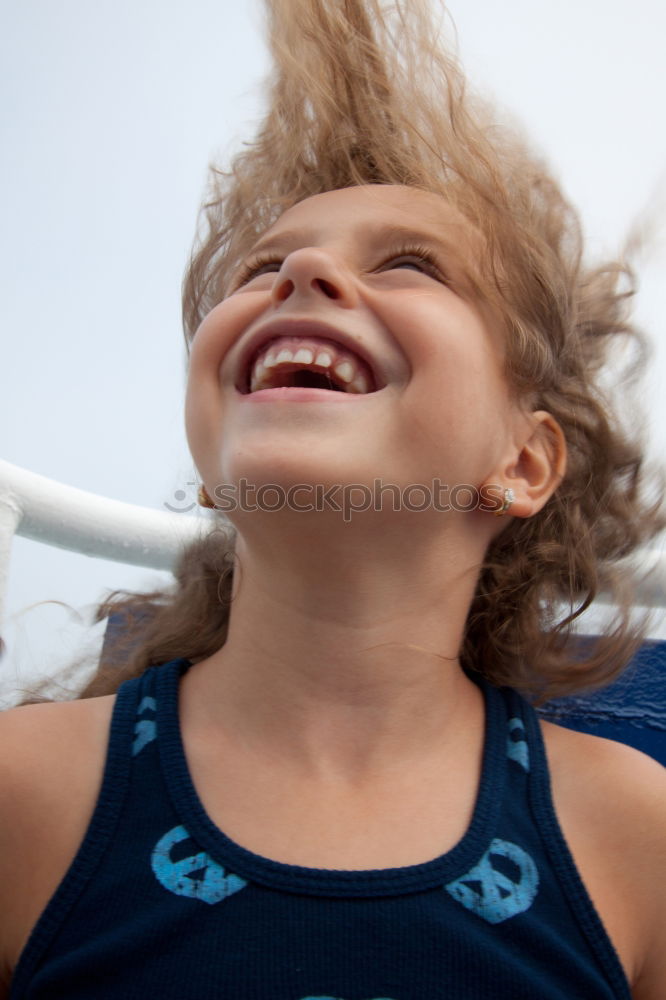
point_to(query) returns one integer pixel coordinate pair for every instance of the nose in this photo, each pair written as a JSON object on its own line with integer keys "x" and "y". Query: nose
{"x": 311, "y": 271}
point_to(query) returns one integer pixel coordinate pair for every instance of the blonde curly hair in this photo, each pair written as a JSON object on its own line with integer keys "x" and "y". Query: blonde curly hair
{"x": 364, "y": 92}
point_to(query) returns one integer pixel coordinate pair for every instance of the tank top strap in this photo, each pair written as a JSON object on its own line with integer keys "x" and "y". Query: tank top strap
{"x": 529, "y": 798}
{"x": 125, "y": 733}
{"x": 144, "y": 713}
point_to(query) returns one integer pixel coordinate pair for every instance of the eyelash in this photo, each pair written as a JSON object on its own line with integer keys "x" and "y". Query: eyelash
{"x": 252, "y": 268}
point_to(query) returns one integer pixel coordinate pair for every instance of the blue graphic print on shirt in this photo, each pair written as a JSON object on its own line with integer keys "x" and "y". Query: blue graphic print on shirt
{"x": 145, "y": 730}
{"x": 493, "y": 893}
{"x": 516, "y": 745}
{"x": 196, "y": 875}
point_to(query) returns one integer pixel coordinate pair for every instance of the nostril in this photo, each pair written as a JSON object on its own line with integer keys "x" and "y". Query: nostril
{"x": 327, "y": 288}
{"x": 284, "y": 290}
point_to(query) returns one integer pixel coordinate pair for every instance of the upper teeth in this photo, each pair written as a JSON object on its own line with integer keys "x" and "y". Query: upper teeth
{"x": 320, "y": 358}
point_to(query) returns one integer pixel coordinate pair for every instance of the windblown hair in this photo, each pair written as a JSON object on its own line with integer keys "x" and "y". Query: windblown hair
{"x": 363, "y": 92}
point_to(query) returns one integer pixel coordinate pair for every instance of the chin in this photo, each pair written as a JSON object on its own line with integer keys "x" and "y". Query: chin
{"x": 267, "y": 459}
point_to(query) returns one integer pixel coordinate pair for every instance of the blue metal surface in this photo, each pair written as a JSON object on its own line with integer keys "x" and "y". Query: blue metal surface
{"x": 632, "y": 710}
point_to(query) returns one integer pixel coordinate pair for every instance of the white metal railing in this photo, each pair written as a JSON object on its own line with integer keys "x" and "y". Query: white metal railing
{"x": 48, "y": 511}
{"x": 69, "y": 518}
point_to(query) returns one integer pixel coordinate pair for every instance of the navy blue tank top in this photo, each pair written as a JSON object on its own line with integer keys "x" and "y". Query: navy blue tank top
{"x": 158, "y": 902}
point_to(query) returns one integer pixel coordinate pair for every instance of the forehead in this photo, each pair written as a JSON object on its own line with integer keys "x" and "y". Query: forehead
{"x": 349, "y": 211}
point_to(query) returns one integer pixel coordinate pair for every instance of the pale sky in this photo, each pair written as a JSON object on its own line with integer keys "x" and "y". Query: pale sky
{"x": 110, "y": 113}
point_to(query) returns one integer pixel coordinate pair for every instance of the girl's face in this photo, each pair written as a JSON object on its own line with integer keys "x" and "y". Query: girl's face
{"x": 376, "y": 274}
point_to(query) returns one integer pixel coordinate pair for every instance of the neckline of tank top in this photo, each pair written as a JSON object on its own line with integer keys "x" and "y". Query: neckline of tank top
{"x": 238, "y": 860}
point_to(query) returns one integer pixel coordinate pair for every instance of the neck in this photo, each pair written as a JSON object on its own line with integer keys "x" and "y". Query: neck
{"x": 343, "y": 662}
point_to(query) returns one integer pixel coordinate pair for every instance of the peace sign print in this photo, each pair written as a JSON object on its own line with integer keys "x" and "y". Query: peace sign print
{"x": 196, "y": 875}
{"x": 501, "y": 885}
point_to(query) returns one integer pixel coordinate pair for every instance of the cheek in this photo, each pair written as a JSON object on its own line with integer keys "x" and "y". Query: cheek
{"x": 448, "y": 344}
{"x": 218, "y": 331}
{"x": 456, "y": 400}
{"x": 211, "y": 344}
{"x": 202, "y": 414}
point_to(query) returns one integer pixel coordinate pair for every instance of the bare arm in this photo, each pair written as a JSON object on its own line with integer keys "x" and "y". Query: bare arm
{"x": 648, "y": 822}
{"x": 51, "y": 765}
{"x": 611, "y": 803}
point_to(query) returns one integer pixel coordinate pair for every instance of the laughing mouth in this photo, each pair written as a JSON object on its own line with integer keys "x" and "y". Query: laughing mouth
{"x": 307, "y": 362}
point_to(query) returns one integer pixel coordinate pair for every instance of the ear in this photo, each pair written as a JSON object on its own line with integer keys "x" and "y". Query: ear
{"x": 537, "y": 470}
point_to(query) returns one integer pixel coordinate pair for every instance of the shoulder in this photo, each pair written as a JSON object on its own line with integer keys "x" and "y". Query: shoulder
{"x": 607, "y": 775}
{"x": 52, "y": 760}
{"x": 40, "y": 744}
{"x": 611, "y": 803}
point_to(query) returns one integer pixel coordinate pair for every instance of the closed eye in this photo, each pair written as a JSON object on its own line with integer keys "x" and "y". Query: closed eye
{"x": 255, "y": 267}
{"x": 419, "y": 259}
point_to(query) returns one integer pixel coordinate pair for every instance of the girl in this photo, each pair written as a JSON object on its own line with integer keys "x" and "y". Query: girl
{"x": 308, "y": 772}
